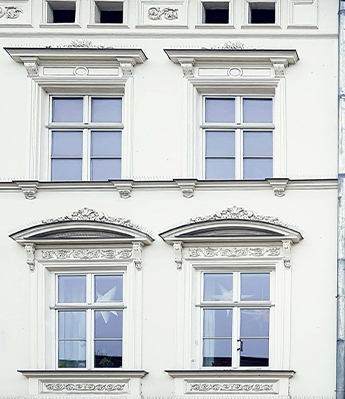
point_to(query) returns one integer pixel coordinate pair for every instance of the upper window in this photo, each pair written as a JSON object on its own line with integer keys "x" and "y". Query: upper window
{"x": 89, "y": 313}
{"x": 109, "y": 12}
{"x": 61, "y": 12}
{"x": 261, "y": 13}
{"x": 238, "y": 137}
{"x": 86, "y": 137}
{"x": 236, "y": 319}
{"x": 215, "y": 12}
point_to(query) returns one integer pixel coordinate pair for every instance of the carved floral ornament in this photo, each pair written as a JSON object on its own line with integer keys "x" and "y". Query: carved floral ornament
{"x": 84, "y": 387}
{"x": 156, "y": 13}
{"x": 10, "y": 12}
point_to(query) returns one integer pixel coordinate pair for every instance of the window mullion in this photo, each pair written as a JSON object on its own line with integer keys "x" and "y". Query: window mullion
{"x": 89, "y": 338}
{"x": 235, "y": 337}
{"x": 238, "y": 154}
{"x": 86, "y": 154}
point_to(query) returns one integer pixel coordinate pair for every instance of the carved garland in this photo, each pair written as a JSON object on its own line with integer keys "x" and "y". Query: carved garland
{"x": 86, "y": 254}
{"x": 155, "y": 13}
{"x": 84, "y": 387}
{"x": 202, "y": 387}
{"x": 210, "y": 252}
{"x": 11, "y": 12}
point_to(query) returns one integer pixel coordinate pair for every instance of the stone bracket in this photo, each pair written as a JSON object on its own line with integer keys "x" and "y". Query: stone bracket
{"x": 29, "y": 188}
{"x": 178, "y": 254}
{"x": 124, "y": 187}
{"x": 31, "y": 65}
{"x": 287, "y": 253}
{"x": 30, "y": 256}
{"x": 137, "y": 255}
{"x": 187, "y": 186}
{"x": 279, "y": 65}
{"x": 279, "y": 186}
{"x": 127, "y": 65}
{"x": 187, "y": 65}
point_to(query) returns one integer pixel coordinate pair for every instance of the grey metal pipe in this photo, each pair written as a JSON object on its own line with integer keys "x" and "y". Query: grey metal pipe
{"x": 340, "y": 361}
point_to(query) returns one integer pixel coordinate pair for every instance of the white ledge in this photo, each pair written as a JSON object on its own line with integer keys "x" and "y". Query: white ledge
{"x": 230, "y": 373}
{"x": 83, "y": 373}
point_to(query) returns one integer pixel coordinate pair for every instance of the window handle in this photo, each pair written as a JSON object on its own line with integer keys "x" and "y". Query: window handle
{"x": 241, "y": 345}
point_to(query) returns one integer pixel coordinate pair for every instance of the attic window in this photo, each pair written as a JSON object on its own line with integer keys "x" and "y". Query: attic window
{"x": 215, "y": 12}
{"x": 109, "y": 12}
{"x": 61, "y": 12}
{"x": 262, "y": 13}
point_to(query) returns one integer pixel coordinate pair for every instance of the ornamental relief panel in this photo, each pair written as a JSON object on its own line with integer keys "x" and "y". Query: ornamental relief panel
{"x": 231, "y": 252}
{"x": 232, "y": 387}
{"x": 165, "y": 13}
{"x": 81, "y": 387}
{"x": 86, "y": 254}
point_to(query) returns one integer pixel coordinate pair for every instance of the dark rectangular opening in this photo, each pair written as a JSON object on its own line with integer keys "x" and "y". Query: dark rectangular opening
{"x": 215, "y": 13}
{"x": 109, "y": 12}
{"x": 111, "y": 17}
{"x": 262, "y": 13}
{"x": 63, "y": 16}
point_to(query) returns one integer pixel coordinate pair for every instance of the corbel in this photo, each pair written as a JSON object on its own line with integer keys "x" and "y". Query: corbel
{"x": 31, "y": 65}
{"x": 127, "y": 66}
{"x": 30, "y": 256}
{"x": 137, "y": 255}
{"x": 287, "y": 253}
{"x": 187, "y": 186}
{"x": 279, "y": 65}
{"x": 124, "y": 187}
{"x": 178, "y": 254}
{"x": 29, "y": 188}
{"x": 187, "y": 65}
{"x": 279, "y": 186}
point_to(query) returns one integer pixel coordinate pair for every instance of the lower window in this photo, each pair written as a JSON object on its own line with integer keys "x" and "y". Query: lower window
{"x": 236, "y": 311}
{"x": 89, "y": 315}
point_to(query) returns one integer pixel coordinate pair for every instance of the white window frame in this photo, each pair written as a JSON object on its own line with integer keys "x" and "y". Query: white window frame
{"x": 200, "y": 305}
{"x": 246, "y": 15}
{"x": 54, "y": 307}
{"x": 238, "y": 127}
{"x": 86, "y": 127}
{"x": 98, "y": 25}
{"x": 61, "y": 71}
{"x": 235, "y": 72}
{"x": 202, "y": 24}
{"x": 45, "y": 17}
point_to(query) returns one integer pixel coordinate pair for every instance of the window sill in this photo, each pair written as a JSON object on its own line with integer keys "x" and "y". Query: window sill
{"x": 107, "y": 26}
{"x": 225, "y": 381}
{"x": 261, "y": 26}
{"x": 58, "y": 25}
{"x": 214, "y": 26}
{"x": 120, "y": 381}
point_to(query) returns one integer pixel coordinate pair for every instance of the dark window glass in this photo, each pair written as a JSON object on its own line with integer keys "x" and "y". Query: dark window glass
{"x": 111, "y": 17}
{"x": 63, "y": 16}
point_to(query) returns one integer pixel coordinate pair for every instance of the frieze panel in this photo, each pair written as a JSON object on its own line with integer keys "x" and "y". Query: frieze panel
{"x": 86, "y": 254}
{"x": 155, "y": 13}
{"x": 84, "y": 387}
{"x": 238, "y": 252}
{"x": 231, "y": 387}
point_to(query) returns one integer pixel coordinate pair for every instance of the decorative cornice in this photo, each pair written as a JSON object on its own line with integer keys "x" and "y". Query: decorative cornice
{"x": 238, "y": 213}
{"x": 91, "y": 215}
{"x": 155, "y": 13}
{"x": 11, "y": 12}
{"x": 86, "y": 254}
{"x": 233, "y": 252}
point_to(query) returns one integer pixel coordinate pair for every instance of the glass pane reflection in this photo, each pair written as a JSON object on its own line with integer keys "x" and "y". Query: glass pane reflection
{"x": 108, "y": 288}
{"x": 72, "y": 354}
{"x": 108, "y": 354}
{"x": 255, "y": 287}
{"x": 217, "y": 352}
{"x": 108, "y": 324}
{"x": 218, "y": 287}
{"x": 72, "y": 289}
{"x": 255, "y": 352}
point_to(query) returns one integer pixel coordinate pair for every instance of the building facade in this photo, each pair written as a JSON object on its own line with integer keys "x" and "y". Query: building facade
{"x": 169, "y": 198}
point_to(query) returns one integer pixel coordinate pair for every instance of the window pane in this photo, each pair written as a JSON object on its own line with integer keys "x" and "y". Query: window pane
{"x": 72, "y": 354}
{"x": 72, "y": 325}
{"x": 221, "y": 110}
{"x": 108, "y": 324}
{"x": 255, "y": 322}
{"x": 108, "y": 354}
{"x": 217, "y": 352}
{"x": 220, "y": 143}
{"x": 104, "y": 169}
{"x": 218, "y": 287}
{"x": 66, "y": 169}
{"x": 218, "y": 323}
{"x": 67, "y": 110}
{"x": 255, "y": 352}
{"x": 108, "y": 288}
{"x": 257, "y": 143}
{"x": 72, "y": 289}
{"x": 257, "y": 168}
{"x": 257, "y": 110}
{"x": 106, "y": 144}
{"x": 220, "y": 169}
{"x": 67, "y": 144}
{"x": 106, "y": 110}
{"x": 255, "y": 287}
